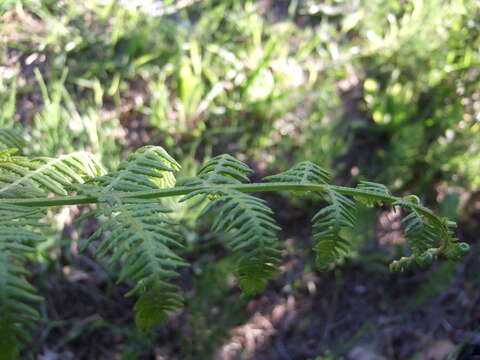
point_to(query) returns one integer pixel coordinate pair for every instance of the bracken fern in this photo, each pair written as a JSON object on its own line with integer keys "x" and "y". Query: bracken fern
{"x": 138, "y": 235}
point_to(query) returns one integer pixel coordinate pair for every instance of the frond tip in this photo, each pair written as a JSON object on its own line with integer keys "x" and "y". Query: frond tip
{"x": 428, "y": 237}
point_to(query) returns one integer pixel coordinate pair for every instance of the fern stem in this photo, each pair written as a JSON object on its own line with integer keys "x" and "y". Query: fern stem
{"x": 252, "y": 187}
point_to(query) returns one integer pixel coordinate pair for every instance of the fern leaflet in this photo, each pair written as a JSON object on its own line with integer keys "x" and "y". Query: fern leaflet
{"x": 222, "y": 169}
{"x": 250, "y": 222}
{"x": 246, "y": 217}
{"x": 140, "y": 233}
{"x": 11, "y": 139}
{"x": 150, "y": 167}
{"x": 330, "y": 246}
{"x": 17, "y": 240}
{"x": 21, "y": 177}
{"x": 374, "y": 188}
{"x": 305, "y": 172}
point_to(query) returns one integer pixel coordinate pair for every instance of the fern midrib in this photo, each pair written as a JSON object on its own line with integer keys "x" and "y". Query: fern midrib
{"x": 252, "y": 187}
{"x": 337, "y": 207}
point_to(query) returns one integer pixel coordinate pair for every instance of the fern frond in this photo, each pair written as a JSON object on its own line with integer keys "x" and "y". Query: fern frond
{"x": 21, "y": 177}
{"x": 374, "y": 188}
{"x": 249, "y": 221}
{"x": 330, "y": 246}
{"x": 427, "y": 237}
{"x": 305, "y": 172}
{"x": 17, "y": 240}
{"x": 222, "y": 169}
{"x": 247, "y": 218}
{"x": 139, "y": 232}
{"x": 150, "y": 167}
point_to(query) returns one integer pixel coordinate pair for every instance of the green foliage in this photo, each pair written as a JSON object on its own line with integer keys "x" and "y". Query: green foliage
{"x": 375, "y": 188}
{"x": 247, "y": 78}
{"x": 22, "y": 177}
{"x": 253, "y": 236}
{"x": 17, "y": 241}
{"x": 223, "y": 169}
{"x": 11, "y": 138}
{"x": 330, "y": 245}
{"x": 247, "y": 218}
{"x": 419, "y": 60}
{"x": 204, "y": 69}
{"x": 305, "y": 172}
{"x": 138, "y": 232}
{"x": 147, "y": 168}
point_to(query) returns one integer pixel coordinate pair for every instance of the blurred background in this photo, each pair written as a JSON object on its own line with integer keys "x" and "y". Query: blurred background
{"x": 384, "y": 90}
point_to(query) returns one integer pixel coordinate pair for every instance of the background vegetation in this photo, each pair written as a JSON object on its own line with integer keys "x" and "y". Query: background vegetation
{"x": 380, "y": 90}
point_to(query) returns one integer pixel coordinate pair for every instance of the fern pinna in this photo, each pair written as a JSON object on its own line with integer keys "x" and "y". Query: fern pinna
{"x": 246, "y": 217}
{"x": 138, "y": 235}
{"x": 139, "y": 231}
{"x": 17, "y": 241}
{"x": 22, "y": 178}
